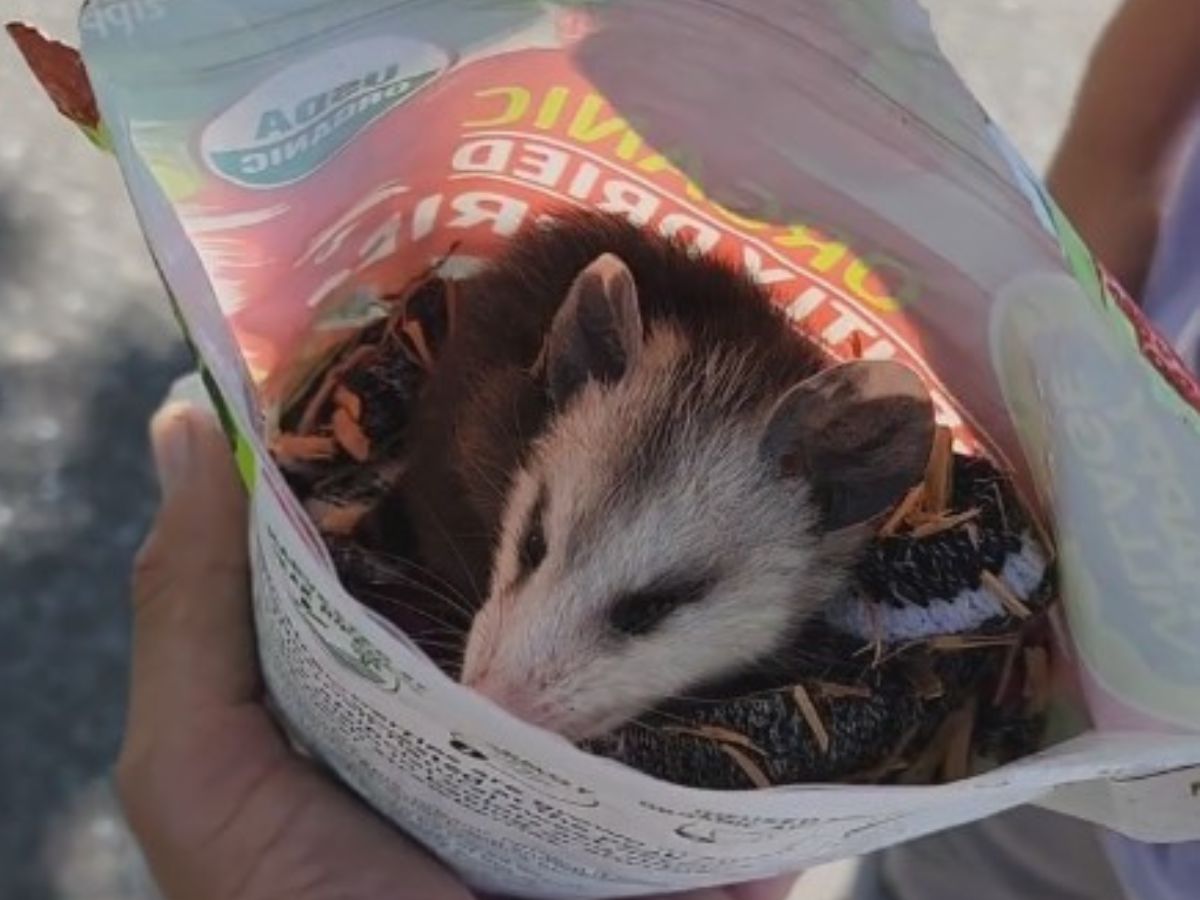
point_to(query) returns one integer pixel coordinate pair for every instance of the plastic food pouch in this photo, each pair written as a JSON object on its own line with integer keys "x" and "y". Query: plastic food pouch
{"x": 291, "y": 162}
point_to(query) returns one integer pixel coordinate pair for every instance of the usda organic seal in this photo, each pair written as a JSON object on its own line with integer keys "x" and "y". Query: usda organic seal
{"x": 301, "y": 117}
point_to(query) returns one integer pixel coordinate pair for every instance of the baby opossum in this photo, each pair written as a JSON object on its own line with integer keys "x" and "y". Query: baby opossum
{"x": 638, "y": 473}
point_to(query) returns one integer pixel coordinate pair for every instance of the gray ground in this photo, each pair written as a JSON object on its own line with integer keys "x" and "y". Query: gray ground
{"x": 87, "y": 349}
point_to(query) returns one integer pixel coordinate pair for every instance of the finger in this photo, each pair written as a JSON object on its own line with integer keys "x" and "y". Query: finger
{"x": 193, "y": 637}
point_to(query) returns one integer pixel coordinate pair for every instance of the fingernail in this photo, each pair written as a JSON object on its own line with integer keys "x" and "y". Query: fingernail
{"x": 172, "y": 434}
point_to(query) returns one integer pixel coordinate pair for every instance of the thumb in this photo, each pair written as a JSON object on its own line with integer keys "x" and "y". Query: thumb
{"x": 193, "y": 640}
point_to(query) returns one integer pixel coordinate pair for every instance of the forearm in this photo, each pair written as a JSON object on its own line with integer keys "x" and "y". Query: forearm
{"x": 1110, "y": 173}
{"x": 1140, "y": 89}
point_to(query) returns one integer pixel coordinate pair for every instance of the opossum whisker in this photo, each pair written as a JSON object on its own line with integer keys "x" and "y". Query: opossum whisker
{"x": 390, "y": 562}
{"x": 436, "y": 627}
{"x": 517, "y": 432}
{"x": 664, "y": 716}
{"x": 380, "y": 476}
{"x": 664, "y": 721}
{"x": 695, "y": 698}
{"x": 450, "y": 636}
{"x": 427, "y": 642}
{"x": 388, "y": 599}
{"x": 486, "y": 476}
{"x": 439, "y": 600}
{"x": 812, "y": 655}
{"x": 439, "y": 637}
{"x": 432, "y": 644}
{"x": 455, "y": 598}
{"x": 644, "y": 726}
{"x": 450, "y": 604}
{"x": 462, "y": 560}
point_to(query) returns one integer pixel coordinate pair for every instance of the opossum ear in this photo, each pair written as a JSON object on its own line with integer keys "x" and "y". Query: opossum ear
{"x": 597, "y": 333}
{"x": 861, "y": 433}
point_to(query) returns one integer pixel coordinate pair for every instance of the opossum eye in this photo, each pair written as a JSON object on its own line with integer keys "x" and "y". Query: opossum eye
{"x": 533, "y": 542}
{"x": 533, "y": 548}
{"x": 640, "y": 612}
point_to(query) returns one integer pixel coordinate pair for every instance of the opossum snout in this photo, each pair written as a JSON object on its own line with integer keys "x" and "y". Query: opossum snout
{"x": 516, "y": 697}
{"x": 523, "y": 698}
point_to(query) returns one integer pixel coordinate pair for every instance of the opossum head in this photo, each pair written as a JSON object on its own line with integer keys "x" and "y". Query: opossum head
{"x": 673, "y": 526}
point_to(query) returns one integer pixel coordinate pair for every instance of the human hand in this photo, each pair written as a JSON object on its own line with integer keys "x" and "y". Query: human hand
{"x": 221, "y": 806}
{"x": 218, "y": 801}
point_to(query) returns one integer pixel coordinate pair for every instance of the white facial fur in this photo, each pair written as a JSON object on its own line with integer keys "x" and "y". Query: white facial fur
{"x": 543, "y": 646}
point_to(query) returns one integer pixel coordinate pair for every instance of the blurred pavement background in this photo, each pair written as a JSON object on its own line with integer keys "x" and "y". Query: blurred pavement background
{"x": 86, "y": 351}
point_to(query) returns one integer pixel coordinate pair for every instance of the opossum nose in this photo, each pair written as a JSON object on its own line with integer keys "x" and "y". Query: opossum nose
{"x": 474, "y": 672}
{"x": 518, "y": 698}
{"x": 511, "y": 695}
{"x": 477, "y": 660}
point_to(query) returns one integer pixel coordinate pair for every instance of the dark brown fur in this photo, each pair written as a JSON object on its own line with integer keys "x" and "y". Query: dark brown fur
{"x": 485, "y": 403}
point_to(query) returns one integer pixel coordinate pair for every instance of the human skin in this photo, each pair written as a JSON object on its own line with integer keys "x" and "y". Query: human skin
{"x": 1114, "y": 165}
{"x": 221, "y": 806}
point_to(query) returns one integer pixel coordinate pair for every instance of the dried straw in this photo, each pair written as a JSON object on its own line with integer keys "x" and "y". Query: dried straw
{"x": 808, "y": 709}
{"x": 1013, "y": 604}
{"x": 912, "y": 500}
{"x": 944, "y": 523}
{"x": 939, "y": 476}
{"x": 756, "y": 775}
{"x": 292, "y": 449}
{"x": 350, "y": 436}
{"x": 956, "y": 764}
{"x": 833, "y": 691}
{"x": 1037, "y": 679}
{"x": 331, "y": 381}
{"x": 346, "y": 399}
{"x": 1006, "y": 672}
{"x": 718, "y": 734}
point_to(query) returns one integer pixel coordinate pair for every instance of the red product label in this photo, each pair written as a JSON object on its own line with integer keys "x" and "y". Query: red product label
{"x": 1155, "y": 348}
{"x": 481, "y": 153}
